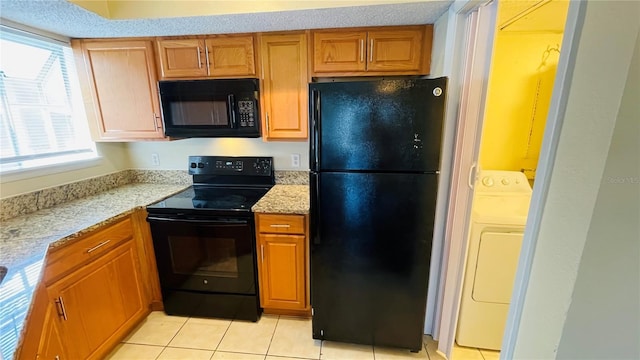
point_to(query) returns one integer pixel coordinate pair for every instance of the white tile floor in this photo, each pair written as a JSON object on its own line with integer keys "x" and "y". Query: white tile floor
{"x": 271, "y": 338}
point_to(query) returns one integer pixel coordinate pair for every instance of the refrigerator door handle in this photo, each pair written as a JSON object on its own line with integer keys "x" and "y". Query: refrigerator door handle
{"x": 315, "y": 117}
{"x": 315, "y": 208}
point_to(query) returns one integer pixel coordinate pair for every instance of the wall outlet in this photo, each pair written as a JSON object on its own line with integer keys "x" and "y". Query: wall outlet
{"x": 155, "y": 159}
{"x": 295, "y": 160}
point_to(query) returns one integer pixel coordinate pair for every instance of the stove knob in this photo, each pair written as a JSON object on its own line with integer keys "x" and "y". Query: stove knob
{"x": 194, "y": 165}
{"x": 200, "y": 165}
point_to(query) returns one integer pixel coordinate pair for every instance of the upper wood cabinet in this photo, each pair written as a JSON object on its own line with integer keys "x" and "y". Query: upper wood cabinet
{"x": 403, "y": 50}
{"x": 119, "y": 86}
{"x": 284, "y": 86}
{"x": 219, "y": 56}
{"x": 182, "y": 58}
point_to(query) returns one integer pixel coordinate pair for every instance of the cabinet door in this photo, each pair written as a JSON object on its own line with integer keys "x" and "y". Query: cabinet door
{"x": 51, "y": 345}
{"x": 99, "y": 303}
{"x": 122, "y": 89}
{"x": 284, "y": 86}
{"x": 339, "y": 51}
{"x": 282, "y": 271}
{"x": 182, "y": 58}
{"x": 231, "y": 56}
{"x": 394, "y": 50}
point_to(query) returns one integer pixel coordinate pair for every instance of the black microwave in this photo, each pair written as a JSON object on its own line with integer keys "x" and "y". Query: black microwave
{"x": 210, "y": 108}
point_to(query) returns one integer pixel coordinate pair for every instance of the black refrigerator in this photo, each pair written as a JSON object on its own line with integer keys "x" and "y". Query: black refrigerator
{"x": 374, "y": 160}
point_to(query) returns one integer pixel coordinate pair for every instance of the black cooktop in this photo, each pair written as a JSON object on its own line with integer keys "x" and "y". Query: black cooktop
{"x": 212, "y": 198}
{"x": 221, "y": 184}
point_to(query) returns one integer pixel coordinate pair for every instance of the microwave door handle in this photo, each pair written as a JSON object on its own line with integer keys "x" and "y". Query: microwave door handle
{"x": 231, "y": 104}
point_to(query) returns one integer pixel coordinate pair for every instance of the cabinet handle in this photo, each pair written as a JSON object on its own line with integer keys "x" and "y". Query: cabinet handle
{"x": 280, "y": 225}
{"x": 156, "y": 117}
{"x": 89, "y": 251}
{"x": 199, "y": 59}
{"x": 63, "y": 312}
{"x": 262, "y": 253}
{"x": 361, "y": 50}
{"x": 371, "y": 52}
{"x": 206, "y": 58}
{"x": 267, "y": 121}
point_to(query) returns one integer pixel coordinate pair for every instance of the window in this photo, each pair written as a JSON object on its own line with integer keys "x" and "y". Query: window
{"x": 42, "y": 118}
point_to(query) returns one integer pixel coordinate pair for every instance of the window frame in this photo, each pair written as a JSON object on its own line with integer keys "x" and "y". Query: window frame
{"x": 65, "y": 160}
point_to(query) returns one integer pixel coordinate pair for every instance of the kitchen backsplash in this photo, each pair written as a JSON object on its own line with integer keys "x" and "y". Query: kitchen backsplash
{"x": 46, "y": 198}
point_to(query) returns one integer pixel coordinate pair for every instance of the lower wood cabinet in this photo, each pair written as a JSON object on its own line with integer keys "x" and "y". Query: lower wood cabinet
{"x": 283, "y": 264}
{"x": 51, "y": 345}
{"x": 93, "y": 292}
{"x": 98, "y": 303}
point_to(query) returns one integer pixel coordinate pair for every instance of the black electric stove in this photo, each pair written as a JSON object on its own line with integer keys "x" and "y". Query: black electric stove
{"x": 204, "y": 238}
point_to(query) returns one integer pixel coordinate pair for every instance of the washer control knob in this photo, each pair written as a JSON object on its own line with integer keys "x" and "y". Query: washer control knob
{"x": 487, "y": 181}
{"x": 505, "y": 181}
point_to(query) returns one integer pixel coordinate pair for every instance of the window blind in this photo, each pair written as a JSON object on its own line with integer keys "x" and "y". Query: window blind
{"x": 42, "y": 118}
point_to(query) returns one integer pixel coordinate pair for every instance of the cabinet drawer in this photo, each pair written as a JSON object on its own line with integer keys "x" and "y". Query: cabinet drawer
{"x": 281, "y": 224}
{"x": 60, "y": 261}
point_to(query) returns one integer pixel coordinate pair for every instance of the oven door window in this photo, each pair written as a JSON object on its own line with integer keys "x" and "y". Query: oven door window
{"x": 214, "y": 257}
{"x": 204, "y": 256}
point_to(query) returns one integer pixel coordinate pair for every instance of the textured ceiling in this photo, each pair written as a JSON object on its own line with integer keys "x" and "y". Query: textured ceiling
{"x": 64, "y": 18}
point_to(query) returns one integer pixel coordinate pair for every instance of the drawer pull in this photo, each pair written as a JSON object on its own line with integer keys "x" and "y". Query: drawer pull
{"x": 89, "y": 251}
{"x": 262, "y": 253}
{"x": 63, "y": 312}
{"x": 280, "y": 225}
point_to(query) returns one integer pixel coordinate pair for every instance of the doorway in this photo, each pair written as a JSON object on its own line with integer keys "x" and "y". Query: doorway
{"x": 511, "y": 118}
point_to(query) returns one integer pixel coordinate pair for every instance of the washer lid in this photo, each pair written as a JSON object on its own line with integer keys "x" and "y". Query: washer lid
{"x": 508, "y": 210}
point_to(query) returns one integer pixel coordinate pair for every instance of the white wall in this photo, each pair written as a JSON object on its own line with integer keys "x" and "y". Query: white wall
{"x": 174, "y": 154}
{"x": 565, "y": 198}
{"x": 114, "y": 158}
{"x": 604, "y": 318}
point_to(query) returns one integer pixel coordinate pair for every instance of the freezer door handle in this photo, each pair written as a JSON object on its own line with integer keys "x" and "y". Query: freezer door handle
{"x": 315, "y": 117}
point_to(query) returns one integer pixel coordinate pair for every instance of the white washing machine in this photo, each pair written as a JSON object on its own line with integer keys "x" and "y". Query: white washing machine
{"x": 499, "y": 215}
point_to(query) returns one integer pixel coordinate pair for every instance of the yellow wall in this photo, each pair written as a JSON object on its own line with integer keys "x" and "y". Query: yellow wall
{"x": 520, "y": 86}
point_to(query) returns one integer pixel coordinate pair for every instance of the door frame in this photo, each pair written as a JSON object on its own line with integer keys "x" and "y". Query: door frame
{"x": 451, "y": 274}
{"x": 473, "y": 47}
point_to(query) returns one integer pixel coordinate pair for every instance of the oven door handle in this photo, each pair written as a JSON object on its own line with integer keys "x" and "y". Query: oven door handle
{"x": 198, "y": 221}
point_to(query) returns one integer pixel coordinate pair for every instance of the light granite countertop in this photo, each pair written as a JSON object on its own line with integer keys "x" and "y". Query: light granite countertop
{"x": 284, "y": 199}
{"x": 24, "y": 241}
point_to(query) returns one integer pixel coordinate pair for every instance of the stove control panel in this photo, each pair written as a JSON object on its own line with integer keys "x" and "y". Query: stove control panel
{"x": 230, "y": 165}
